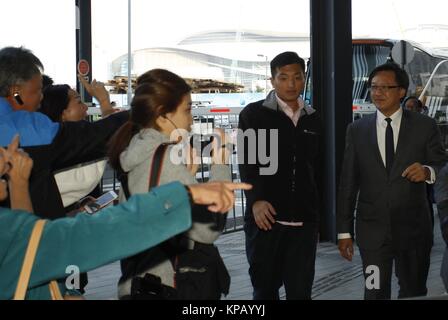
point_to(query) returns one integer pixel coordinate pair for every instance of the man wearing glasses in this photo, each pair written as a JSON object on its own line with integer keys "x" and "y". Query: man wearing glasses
{"x": 389, "y": 158}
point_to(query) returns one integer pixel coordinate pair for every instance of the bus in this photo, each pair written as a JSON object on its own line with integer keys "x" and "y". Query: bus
{"x": 428, "y": 76}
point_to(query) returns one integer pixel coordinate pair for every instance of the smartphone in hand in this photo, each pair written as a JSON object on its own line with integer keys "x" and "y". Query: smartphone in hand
{"x": 101, "y": 202}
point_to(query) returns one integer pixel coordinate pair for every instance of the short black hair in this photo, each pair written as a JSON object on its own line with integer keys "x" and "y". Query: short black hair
{"x": 284, "y": 59}
{"x": 55, "y": 100}
{"x": 401, "y": 77}
{"x": 414, "y": 99}
{"x": 46, "y": 81}
{"x": 17, "y": 65}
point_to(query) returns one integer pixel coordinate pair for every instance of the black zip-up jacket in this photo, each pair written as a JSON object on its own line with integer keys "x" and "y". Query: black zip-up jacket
{"x": 293, "y": 189}
{"x": 74, "y": 143}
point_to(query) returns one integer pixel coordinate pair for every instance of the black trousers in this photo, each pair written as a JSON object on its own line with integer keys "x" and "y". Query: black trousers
{"x": 411, "y": 269}
{"x": 285, "y": 255}
{"x": 431, "y": 201}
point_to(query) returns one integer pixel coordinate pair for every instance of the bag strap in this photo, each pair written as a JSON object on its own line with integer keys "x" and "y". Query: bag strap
{"x": 154, "y": 174}
{"x": 123, "y": 178}
{"x": 157, "y": 164}
{"x": 154, "y": 180}
{"x": 27, "y": 266}
{"x": 54, "y": 291}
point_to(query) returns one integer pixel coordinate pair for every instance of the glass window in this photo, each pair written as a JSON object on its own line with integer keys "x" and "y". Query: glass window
{"x": 46, "y": 27}
{"x": 226, "y": 50}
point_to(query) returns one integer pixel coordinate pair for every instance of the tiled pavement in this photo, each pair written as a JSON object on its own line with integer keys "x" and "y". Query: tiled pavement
{"x": 335, "y": 278}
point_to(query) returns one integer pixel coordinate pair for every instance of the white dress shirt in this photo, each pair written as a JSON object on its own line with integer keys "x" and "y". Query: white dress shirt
{"x": 381, "y": 125}
{"x": 293, "y": 115}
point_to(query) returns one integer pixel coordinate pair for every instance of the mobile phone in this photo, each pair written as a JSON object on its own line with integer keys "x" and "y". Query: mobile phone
{"x": 101, "y": 202}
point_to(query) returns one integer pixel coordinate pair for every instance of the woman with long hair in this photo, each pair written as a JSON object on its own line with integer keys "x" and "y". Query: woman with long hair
{"x": 161, "y": 113}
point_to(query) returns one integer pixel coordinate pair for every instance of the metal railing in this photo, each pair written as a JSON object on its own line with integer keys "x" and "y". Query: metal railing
{"x": 204, "y": 120}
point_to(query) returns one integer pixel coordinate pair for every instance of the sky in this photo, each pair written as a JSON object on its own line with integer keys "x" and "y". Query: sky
{"x": 47, "y": 27}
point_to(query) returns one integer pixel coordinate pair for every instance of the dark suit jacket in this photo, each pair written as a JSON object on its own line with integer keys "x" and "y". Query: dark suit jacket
{"x": 389, "y": 207}
{"x": 441, "y": 196}
{"x": 75, "y": 142}
{"x": 298, "y": 159}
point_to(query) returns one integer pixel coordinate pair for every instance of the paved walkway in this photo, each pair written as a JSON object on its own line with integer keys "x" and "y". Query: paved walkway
{"x": 335, "y": 278}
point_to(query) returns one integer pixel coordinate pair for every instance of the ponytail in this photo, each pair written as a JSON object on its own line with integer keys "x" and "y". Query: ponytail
{"x": 158, "y": 92}
{"x": 119, "y": 141}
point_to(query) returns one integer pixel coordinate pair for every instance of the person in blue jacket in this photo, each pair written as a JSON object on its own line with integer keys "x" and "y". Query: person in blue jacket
{"x": 52, "y": 146}
{"x": 20, "y": 96}
{"x": 90, "y": 241}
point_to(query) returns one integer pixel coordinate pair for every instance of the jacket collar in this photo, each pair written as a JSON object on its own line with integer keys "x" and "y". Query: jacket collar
{"x": 271, "y": 103}
{"x": 5, "y": 107}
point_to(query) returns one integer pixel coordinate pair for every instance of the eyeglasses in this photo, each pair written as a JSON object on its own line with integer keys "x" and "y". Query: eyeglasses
{"x": 382, "y": 88}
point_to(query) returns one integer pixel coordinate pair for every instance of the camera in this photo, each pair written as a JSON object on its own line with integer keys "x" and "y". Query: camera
{"x": 150, "y": 287}
{"x": 200, "y": 142}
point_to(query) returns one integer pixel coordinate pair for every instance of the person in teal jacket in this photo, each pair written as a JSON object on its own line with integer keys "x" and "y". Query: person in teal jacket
{"x": 90, "y": 241}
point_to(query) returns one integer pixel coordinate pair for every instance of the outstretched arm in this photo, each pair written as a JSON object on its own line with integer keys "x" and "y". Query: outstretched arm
{"x": 97, "y": 90}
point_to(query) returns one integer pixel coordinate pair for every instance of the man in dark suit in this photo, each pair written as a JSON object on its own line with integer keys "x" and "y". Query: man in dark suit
{"x": 441, "y": 197}
{"x": 389, "y": 158}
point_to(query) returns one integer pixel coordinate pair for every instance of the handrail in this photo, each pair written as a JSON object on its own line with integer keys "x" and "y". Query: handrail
{"x": 429, "y": 80}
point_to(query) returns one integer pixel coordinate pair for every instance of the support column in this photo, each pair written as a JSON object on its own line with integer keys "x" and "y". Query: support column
{"x": 331, "y": 65}
{"x": 84, "y": 40}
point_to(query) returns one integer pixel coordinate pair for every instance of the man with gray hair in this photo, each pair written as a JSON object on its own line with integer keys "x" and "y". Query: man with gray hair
{"x": 51, "y": 145}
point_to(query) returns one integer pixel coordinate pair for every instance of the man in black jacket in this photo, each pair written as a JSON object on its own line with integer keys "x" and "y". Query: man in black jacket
{"x": 52, "y": 146}
{"x": 282, "y": 208}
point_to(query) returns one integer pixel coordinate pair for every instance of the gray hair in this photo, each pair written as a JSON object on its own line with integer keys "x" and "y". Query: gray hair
{"x": 17, "y": 65}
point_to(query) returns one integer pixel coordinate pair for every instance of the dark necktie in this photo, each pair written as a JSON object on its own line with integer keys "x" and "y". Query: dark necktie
{"x": 389, "y": 146}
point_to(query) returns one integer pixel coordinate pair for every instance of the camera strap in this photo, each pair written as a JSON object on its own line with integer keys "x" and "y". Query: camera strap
{"x": 123, "y": 178}
{"x": 157, "y": 164}
{"x": 154, "y": 180}
{"x": 154, "y": 173}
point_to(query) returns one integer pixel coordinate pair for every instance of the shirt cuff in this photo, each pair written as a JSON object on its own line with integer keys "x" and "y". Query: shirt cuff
{"x": 344, "y": 236}
{"x": 432, "y": 179}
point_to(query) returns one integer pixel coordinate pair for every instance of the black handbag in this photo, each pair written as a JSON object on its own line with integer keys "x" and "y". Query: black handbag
{"x": 200, "y": 273}
{"x": 148, "y": 287}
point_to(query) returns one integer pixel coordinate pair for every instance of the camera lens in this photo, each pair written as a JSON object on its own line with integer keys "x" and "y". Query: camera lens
{"x": 200, "y": 142}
